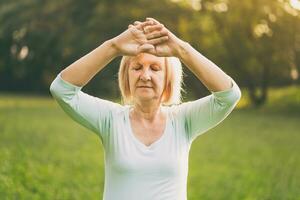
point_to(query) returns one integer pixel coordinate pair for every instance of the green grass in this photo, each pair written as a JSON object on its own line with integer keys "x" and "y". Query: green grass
{"x": 253, "y": 154}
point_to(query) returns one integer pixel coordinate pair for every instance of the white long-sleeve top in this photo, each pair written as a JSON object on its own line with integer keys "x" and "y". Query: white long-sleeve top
{"x": 134, "y": 171}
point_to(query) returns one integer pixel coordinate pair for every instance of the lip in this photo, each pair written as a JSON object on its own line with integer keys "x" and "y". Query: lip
{"x": 144, "y": 87}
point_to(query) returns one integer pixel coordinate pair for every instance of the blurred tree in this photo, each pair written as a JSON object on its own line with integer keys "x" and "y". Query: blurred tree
{"x": 40, "y": 38}
{"x": 256, "y": 42}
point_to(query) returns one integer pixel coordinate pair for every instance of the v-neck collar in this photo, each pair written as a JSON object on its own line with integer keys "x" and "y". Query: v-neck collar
{"x": 137, "y": 141}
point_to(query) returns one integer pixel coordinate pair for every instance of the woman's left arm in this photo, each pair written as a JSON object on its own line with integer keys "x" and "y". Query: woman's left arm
{"x": 203, "y": 114}
{"x": 206, "y": 71}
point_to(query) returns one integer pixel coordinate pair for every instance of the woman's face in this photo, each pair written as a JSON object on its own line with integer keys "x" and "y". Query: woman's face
{"x": 146, "y": 77}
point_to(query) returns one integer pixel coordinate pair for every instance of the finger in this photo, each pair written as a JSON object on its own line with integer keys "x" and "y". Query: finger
{"x": 140, "y": 25}
{"x": 149, "y": 29}
{"x": 145, "y": 48}
{"x": 156, "y": 34}
{"x": 158, "y": 40}
{"x": 134, "y": 30}
{"x": 130, "y": 26}
{"x": 136, "y": 23}
{"x": 152, "y": 19}
{"x": 151, "y": 51}
{"x": 147, "y": 23}
{"x": 155, "y": 21}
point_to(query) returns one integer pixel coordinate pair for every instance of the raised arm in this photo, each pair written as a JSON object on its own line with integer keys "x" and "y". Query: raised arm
{"x": 83, "y": 70}
{"x": 130, "y": 42}
{"x": 203, "y": 114}
{"x": 205, "y": 70}
{"x": 92, "y": 112}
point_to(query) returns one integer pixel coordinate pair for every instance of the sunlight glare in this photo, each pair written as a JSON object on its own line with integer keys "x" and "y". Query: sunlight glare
{"x": 295, "y": 4}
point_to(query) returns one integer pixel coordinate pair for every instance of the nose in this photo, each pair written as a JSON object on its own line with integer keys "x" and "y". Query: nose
{"x": 145, "y": 76}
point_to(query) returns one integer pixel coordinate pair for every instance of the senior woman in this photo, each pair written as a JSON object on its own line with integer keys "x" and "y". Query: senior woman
{"x": 146, "y": 139}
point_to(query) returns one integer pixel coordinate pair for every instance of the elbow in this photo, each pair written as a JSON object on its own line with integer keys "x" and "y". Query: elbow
{"x": 236, "y": 91}
{"x": 53, "y": 88}
{"x": 238, "y": 95}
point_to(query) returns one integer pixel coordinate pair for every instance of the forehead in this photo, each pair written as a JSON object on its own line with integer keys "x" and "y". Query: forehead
{"x": 145, "y": 58}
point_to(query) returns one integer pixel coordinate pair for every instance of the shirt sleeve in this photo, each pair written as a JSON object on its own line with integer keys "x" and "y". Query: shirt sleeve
{"x": 91, "y": 112}
{"x": 203, "y": 114}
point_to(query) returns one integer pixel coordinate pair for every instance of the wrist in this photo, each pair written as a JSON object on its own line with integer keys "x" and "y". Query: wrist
{"x": 182, "y": 49}
{"x": 112, "y": 43}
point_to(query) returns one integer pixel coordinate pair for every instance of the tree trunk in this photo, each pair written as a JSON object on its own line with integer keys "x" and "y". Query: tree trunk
{"x": 258, "y": 94}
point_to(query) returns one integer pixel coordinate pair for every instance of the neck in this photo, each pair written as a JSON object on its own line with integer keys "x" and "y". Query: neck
{"x": 148, "y": 112}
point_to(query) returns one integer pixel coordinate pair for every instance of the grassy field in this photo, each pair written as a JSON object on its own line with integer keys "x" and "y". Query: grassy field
{"x": 253, "y": 154}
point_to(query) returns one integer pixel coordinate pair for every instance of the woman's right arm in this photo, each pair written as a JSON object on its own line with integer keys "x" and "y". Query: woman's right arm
{"x": 83, "y": 70}
{"x": 130, "y": 42}
{"x": 92, "y": 112}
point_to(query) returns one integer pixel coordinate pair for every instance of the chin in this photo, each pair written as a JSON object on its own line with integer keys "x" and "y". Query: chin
{"x": 145, "y": 97}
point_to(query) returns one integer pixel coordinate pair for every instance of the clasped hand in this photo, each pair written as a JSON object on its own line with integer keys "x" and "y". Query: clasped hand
{"x": 149, "y": 36}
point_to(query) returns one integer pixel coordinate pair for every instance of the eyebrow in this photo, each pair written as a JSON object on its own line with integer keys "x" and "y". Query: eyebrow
{"x": 156, "y": 63}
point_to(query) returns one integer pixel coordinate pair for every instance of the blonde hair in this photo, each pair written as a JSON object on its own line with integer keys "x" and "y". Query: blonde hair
{"x": 173, "y": 81}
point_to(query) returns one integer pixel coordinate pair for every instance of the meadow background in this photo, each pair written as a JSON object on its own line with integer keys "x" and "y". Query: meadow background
{"x": 253, "y": 155}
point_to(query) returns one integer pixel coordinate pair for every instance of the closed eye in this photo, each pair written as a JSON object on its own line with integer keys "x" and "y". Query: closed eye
{"x": 136, "y": 68}
{"x": 155, "y": 68}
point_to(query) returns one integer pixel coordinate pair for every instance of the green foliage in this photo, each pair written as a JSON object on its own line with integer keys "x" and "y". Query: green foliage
{"x": 256, "y": 42}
